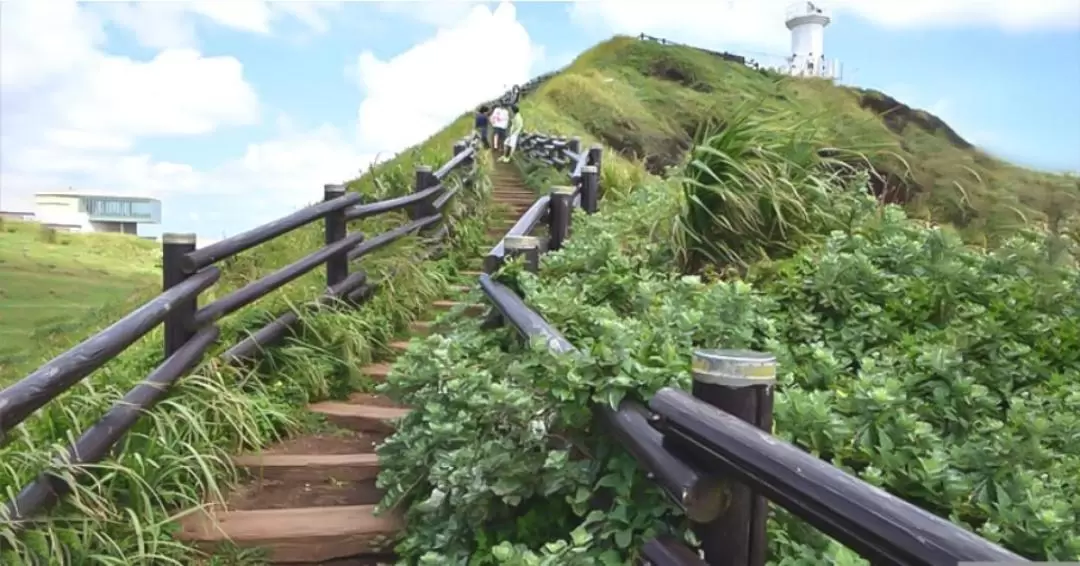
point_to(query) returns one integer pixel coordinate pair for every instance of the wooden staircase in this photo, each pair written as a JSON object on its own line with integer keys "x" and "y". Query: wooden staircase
{"x": 311, "y": 499}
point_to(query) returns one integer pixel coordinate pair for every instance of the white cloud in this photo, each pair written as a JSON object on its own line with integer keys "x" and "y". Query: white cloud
{"x": 74, "y": 114}
{"x": 1013, "y": 15}
{"x": 438, "y": 14}
{"x": 412, "y": 95}
{"x": 70, "y": 110}
{"x": 162, "y": 24}
{"x": 759, "y": 23}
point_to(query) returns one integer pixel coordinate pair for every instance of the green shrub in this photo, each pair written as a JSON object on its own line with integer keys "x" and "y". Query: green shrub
{"x": 943, "y": 373}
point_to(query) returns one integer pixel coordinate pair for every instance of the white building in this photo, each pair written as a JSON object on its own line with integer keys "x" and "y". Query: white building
{"x": 84, "y": 212}
{"x": 807, "y": 22}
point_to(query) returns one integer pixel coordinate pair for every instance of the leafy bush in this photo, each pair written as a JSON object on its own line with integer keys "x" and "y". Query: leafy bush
{"x": 946, "y": 375}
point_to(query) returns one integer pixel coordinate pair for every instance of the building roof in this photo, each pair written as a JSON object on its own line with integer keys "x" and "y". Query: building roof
{"x": 95, "y": 194}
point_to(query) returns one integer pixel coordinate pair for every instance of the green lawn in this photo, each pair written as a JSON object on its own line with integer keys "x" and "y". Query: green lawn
{"x": 57, "y": 289}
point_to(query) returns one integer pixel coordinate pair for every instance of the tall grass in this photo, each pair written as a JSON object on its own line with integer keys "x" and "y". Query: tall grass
{"x": 177, "y": 457}
{"x": 758, "y": 186}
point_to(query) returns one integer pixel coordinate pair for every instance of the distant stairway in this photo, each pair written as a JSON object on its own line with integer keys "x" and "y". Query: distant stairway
{"x": 311, "y": 498}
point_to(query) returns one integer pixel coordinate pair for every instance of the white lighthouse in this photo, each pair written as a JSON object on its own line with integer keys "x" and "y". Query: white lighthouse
{"x": 807, "y": 22}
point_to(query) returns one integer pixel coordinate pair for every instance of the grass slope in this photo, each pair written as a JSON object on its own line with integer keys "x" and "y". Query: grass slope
{"x": 648, "y": 101}
{"x": 943, "y": 372}
{"x": 58, "y": 288}
{"x": 177, "y": 456}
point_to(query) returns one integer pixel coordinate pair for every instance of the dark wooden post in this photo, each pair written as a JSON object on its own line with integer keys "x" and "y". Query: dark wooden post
{"x": 590, "y": 189}
{"x": 492, "y": 263}
{"x": 178, "y": 323}
{"x": 561, "y": 205}
{"x": 574, "y": 144}
{"x": 596, "y": 156}
{"x": 526, "y": 246}
{"x": 337, "y": 267}
{"x": 425, "y": 179}
{"x": 740, "y": 383}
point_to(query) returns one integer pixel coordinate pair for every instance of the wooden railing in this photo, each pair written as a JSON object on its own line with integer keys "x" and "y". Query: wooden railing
{"x": 191, "y": 331}
{"x": 712, "y": 450}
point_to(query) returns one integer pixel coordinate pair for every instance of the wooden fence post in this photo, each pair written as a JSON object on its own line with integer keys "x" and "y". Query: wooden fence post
{"x": 425, "y": 179}
{"x": 527, "y": 246}
{"x": 560, "y": 204}
{"x": 574, "y": 144}
{"x": 590, "y": 189}
{"x": 596, "y": 156}
{"x": 178, "y": 322}
{"x": 738, "y": 382}
{"x": 337, "y": 267}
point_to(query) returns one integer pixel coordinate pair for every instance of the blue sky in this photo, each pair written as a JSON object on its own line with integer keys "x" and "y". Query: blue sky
{"x": 237, "y": 111}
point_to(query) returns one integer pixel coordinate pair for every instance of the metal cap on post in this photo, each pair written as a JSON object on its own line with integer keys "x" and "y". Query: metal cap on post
{"x": 174, "y": 246}
{"x": 590, "y": 189}
{"x": 560, "y": 206}
{"x": 740, "y": 383}
{"x": 179, "y": 238}
{"x": 734, "y": 368}
{"x": 527, "y": 246}
{"x": 337, "y": 267}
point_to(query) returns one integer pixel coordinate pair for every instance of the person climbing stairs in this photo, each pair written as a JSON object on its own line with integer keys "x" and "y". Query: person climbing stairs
{"x": 311, "y": 499}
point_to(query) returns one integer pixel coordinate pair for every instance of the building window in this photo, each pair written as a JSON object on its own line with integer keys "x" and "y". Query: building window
{"x": 115, "y": 208}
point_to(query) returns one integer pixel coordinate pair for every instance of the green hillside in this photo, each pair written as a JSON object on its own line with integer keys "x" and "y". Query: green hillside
{"x": 57, "y": 288}
{"x": 649, "y": 100}
{"x": 178, "y": 454}
{"x": 943, "y": 372}
{"x": 737, "y": 213}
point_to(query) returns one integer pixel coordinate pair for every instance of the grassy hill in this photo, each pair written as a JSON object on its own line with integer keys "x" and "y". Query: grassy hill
{"x": 179, "y": 453}
{"x": 649, "y": 100}
{"x": 57, "y": 288}
{"x": 940, "y": 371}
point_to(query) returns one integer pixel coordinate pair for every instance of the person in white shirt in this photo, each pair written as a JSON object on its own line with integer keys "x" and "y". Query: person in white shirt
{"x": 500, "y": 121}
{"x": 517, "y": 124}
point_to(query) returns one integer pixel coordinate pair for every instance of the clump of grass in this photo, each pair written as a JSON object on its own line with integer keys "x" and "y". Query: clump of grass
{"x": 758, "y": 186}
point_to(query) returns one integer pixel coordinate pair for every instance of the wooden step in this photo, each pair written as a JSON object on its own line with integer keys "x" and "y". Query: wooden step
{"x": 306, "y": 534}
{"x": 399, "y": 345}
{"x": 471, "y": 273}
{"x": 361, "y": 418}
{"x": 377, "y": 371}
{"x": 420, "y": 328}
{"x": 310, "y": 467}
{"x": 473, "y": 309}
